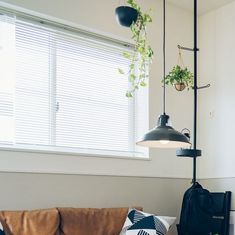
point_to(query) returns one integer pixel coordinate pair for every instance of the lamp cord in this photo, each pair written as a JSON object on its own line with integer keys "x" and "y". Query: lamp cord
{"x": 195, "y": 93}
{"x": 164, "y": 56}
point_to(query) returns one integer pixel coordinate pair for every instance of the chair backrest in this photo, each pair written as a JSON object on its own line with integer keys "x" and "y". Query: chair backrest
{"x": 221, "y": 209}
{"x": 217, "y": 219}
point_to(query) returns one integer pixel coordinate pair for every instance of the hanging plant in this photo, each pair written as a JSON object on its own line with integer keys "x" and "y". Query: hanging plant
{"x": 142, "y": 56}
{"x": 126, "y": 15}
{"x": 180, "y": 76}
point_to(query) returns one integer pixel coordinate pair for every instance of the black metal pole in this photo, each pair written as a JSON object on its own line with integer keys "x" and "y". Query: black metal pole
{"x": 195, "y": 93}
{"x": 194, "y": 152}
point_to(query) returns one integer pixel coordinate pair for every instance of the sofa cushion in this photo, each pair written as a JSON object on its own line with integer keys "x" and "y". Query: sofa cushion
{"x": 90, "y": 221}
{"x": 36, "y": 222}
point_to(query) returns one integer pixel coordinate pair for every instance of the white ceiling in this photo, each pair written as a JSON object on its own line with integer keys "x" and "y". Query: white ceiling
{"x": 203, "y": 5}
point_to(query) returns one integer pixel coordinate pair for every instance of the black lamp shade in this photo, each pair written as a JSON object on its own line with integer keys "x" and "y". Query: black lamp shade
{"x": 164, "y": 136}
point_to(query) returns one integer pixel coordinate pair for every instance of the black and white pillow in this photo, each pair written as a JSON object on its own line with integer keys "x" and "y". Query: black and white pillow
{"x": 141, "y": 223}
{"x": 1, "y": 229}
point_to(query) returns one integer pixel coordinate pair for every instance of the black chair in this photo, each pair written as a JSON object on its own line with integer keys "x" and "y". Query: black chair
{"x": 221, "y": 209}
{"x": 220, "y": 214}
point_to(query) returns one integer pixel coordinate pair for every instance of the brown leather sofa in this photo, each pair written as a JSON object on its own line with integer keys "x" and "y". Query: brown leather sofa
{"x": 64, "y": 221}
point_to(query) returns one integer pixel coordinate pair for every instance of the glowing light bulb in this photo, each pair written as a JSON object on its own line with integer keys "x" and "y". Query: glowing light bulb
{"x": 164, "y": 141}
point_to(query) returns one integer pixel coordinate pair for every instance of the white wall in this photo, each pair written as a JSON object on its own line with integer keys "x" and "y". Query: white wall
{"x": 217, "y": 113}
{"x": 99, "y": 15}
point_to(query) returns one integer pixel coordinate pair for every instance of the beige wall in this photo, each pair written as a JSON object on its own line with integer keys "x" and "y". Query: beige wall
{"x": 31, "y": 191}
{"x": 221, "y": 185}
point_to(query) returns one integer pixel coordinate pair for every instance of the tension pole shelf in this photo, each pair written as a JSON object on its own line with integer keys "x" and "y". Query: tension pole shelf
{"x": 187, "y": 48}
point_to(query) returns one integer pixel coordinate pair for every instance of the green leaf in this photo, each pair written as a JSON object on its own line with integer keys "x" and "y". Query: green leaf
{"x": 129, "y": 94}
{"x": 143, "y": 53}
{"x": 132, "y": 66}
{"x": 120, "y": 71}
{"x": 179, "y": 74}
{"x": 126, "y": 55}
{"x": 143, "y": 83}
{"x": 142, "y": 75}
{"x": 132, "y": 77}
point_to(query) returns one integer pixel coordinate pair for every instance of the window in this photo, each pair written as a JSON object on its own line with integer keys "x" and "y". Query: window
{"x": 60, "y": 91}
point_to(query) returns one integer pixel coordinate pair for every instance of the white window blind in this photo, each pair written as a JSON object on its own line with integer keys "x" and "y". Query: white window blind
{"x": 7, "y": 78}
{"x": 65, "y": 93}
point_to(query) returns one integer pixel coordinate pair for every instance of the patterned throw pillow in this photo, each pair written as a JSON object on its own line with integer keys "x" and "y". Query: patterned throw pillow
{"x": 140, "y": 223}
{"x": 1, "y": 229}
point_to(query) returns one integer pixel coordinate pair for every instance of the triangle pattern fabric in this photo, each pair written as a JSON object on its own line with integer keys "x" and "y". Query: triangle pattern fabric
{"x": 140, "y": 223}
{"x": 146, "y": 223}
{"x": 159, "y": 226}
{"x": 137, "y": 216}
{"x": 142, "y": 232}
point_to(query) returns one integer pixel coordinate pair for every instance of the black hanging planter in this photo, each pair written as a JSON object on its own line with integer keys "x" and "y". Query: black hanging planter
{"x": 126, "y": 15}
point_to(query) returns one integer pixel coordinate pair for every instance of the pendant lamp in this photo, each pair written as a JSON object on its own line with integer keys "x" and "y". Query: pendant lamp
{"x": 163, "y": 135}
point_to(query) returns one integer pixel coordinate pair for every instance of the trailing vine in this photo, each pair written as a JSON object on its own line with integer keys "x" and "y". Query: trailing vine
{"x": 142, "y": 55}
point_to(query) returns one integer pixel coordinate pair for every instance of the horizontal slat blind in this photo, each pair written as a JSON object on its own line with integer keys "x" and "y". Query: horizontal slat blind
{"x": 32, "y": 85}
{"x": 7, "y": 78}
{"x": 68, "y": 93}
{"x": 93, "y": 111}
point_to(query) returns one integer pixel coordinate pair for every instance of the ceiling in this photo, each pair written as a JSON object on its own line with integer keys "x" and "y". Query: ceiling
{"x": 203, "y": 5}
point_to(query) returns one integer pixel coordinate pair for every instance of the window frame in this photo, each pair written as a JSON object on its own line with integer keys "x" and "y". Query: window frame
{"x": 50, "y": 149}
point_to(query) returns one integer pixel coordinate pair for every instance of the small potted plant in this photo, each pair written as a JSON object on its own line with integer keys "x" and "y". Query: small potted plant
{"x": 143, "y": 53}
{"x": 180, "y": 78}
